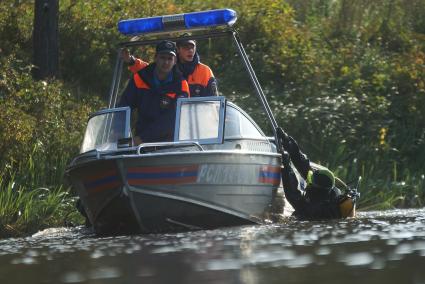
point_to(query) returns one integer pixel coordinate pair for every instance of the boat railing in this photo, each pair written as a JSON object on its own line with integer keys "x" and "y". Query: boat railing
{"x": 168, "y": 144}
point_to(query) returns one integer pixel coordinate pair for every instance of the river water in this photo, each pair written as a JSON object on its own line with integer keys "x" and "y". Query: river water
{"x": 376, "y": 247}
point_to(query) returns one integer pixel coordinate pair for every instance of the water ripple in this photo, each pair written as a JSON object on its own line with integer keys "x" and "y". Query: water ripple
{"x": 374, "y": 241}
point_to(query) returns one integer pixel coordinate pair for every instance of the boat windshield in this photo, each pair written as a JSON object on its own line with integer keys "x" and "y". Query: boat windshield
{"x": 205, "y": 120}
{"x": 105, "y": 128}
{"x": 200, "y": 119}
{"x": 238, "y": 125}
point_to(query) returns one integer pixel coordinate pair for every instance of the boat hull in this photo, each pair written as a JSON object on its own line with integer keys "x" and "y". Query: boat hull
{"x": 166, "y": 192}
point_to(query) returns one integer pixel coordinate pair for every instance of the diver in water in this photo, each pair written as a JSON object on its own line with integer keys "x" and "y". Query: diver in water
{"x": 320, "y": 199}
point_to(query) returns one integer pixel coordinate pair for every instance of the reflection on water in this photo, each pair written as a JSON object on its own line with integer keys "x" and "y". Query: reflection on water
{"x": 376, "y": 247}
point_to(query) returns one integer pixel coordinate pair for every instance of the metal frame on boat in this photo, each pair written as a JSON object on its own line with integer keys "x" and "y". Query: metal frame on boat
{"x": 220, "y": 170}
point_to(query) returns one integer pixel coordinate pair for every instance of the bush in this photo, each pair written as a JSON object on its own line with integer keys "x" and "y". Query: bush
{"x": 38, "y": 118}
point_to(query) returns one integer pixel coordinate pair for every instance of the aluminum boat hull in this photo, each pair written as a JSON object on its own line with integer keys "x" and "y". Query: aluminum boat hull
{"x": 173, "y": 191}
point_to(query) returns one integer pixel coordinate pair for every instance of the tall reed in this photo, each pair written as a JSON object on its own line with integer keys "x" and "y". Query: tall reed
{"x": 33, "y": 197}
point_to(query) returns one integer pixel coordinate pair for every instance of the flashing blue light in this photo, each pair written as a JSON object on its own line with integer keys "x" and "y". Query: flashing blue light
{"x": 140, "y": 26}
{"x": 212, "y": 18}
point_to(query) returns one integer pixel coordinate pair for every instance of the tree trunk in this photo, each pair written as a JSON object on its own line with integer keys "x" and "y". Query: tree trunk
{"x": 45, "y": 39}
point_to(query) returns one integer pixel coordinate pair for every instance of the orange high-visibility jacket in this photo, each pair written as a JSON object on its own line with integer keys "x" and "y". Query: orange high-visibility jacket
{"x": 201, "y": 81}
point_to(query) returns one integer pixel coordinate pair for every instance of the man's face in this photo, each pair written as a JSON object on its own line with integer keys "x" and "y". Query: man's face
{"x": 165, "y": 62}
{"x": 186, "y": 52}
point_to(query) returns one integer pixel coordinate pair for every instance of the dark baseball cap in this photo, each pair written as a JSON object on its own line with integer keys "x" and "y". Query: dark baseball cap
{"x": 166, "y": 46}
{"x": 186, "y": 41}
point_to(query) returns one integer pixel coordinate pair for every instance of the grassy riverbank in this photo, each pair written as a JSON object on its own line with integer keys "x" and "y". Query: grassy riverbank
{"x": 24, "y": 211}
{"x": 33, "y": 198}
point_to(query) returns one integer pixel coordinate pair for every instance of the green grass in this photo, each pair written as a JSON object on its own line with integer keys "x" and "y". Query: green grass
{"x": 381, "y": 194}
{"x": 33, "y": 197}
{"x": 383, "y": 185}
{"x": 25, "y": 211}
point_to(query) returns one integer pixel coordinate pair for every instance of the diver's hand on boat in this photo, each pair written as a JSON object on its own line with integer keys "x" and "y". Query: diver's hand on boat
{"x": 283, "y": 137}
{"x": 137, "y": 140}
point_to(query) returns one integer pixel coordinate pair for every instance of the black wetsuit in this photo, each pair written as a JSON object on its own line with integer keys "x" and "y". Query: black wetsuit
{"x": 311, "y": 203}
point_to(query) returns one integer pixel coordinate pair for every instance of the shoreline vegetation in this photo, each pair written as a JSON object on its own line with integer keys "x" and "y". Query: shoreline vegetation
{"x": 32, "y": 199}
{"x": 345, "y": 78}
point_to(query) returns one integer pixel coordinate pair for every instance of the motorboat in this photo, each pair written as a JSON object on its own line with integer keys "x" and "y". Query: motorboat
{"x": 220, "y": 169}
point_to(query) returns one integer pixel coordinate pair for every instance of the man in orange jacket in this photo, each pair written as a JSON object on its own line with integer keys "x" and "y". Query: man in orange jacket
{"x": 199, "y": 76}
{"x": 154, "y": 91}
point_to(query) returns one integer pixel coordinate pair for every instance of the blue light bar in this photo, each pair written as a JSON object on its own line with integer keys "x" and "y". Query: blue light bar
{"x": 140, "y": 26}
{"x": 210, "y": 18}
{"x": 195, "y": 20}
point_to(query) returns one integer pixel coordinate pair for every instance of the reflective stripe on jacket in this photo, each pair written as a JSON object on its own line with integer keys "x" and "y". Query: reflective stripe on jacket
{"x": 141, "y": 84}
{"x": 201, "y": 81}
